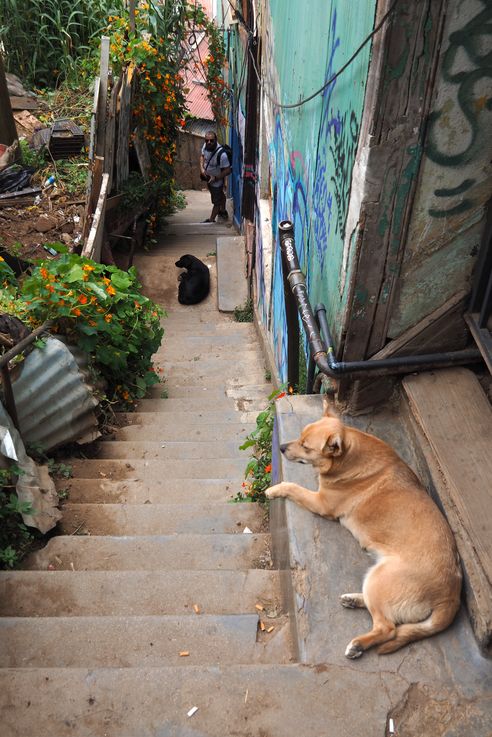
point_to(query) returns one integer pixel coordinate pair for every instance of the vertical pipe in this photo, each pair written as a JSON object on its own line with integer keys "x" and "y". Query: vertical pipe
{"x": 286, "y": 231}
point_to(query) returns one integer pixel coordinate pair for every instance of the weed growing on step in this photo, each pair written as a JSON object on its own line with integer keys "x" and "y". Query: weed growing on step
{"x": 244, "y": 313}
{"x": 258, "y": 472}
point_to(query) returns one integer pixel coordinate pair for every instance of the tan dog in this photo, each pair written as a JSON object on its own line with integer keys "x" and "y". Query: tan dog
{"x": 413, "y": 590}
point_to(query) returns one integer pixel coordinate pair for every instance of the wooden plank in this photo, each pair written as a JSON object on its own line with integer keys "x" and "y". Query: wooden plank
{"x": 432, "y": 334}
{"x": 143, "y": 156}
{"x": 93, "y": 246}
{"x": 102, "y": 102}
{"x": 399, "y": 114}
{"x": 109, "y": 148}
{"x": 24, "y": 103}
{"x": 123, "y": 142}
{"x": 456, "y": 418}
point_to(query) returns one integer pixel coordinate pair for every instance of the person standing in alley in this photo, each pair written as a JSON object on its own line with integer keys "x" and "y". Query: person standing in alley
{"x": 214, "y": 168}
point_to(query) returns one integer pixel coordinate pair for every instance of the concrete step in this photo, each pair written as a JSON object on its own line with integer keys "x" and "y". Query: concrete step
{"x": 165, "y": 450}
{"x": 181, "y": 230}
{"x": 192, "y": 403}
{"x": 160, "y": 519}
{"x": 242, "y": 700}
{"x": 189, "y": 420}
{"x": 114, "y": 593}
{"x": 172, "y": 491}
{"x": 158, "y": 471}
{"x": 248, "y": 391}
{"x": 181, "y": 327}
{"x": 244, "y": 360}
{"x": 171, "y": 552}
{"x": 216, "y": 378}
{"x": 170, "y": 430}
{"x": 173, "y": 351}
{"x": 192, "y": 344}
{"x": 123, "y": 642}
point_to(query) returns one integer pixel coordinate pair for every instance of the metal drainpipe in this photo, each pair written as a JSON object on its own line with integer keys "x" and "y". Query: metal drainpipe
{"x": 324, "y": 355}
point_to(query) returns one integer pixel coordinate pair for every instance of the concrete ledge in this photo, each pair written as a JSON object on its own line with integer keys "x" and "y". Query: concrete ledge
{"x": 232, "y": 287}
{"x": 320, "y": 560}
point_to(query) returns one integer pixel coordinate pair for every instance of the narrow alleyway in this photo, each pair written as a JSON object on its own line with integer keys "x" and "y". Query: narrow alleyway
{"x": 155, "y": 613}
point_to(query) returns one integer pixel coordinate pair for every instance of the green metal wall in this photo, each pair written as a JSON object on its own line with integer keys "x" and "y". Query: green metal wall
{"x": 311, "y": 148}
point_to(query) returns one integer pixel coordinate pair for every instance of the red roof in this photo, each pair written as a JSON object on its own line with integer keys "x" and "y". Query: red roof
{"x": 196, "y": 99}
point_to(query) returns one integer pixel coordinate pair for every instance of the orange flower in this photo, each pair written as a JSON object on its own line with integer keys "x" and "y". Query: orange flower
{"x": 76, "y": 312}
{"x": 282, "y": 394}
{"x": 108, "y": 317}
{"x": 268, "y": 468}
{"x": 44, "y": 273}
{"x": 82, "y": 299}
{"x": 110, "y": 290}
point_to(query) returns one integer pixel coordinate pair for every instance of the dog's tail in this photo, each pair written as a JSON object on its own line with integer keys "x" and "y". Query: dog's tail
{"x": 440, "y": 618}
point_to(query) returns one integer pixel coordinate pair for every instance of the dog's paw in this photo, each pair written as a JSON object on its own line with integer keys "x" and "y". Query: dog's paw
{"x": 352, "y": 601}
{"x": 277, "y": 490}
{"x": 353, "y": 650}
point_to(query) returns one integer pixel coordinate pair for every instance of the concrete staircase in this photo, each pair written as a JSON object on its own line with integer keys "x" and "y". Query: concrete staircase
{"x": 152, "y": 599}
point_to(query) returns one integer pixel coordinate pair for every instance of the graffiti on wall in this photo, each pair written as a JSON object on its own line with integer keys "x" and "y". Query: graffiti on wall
{"x": 473, "y": 43}
{"x": 311, "y": 158}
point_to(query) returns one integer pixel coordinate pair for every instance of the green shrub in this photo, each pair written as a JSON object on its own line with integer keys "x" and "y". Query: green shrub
{"x": 102, "y": 310}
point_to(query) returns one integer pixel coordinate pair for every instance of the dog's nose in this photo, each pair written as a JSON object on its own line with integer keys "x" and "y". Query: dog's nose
{"x": 284, "y": 447}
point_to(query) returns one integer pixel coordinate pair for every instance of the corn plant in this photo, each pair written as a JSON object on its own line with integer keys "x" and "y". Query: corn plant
{"x": 44, "y": 40}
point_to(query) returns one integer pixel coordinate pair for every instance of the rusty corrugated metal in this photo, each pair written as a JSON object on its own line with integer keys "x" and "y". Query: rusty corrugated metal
{"x": 55, "y": 402}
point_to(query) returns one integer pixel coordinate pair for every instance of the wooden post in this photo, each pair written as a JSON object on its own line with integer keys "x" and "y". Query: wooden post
{"x": 8, "y": 132}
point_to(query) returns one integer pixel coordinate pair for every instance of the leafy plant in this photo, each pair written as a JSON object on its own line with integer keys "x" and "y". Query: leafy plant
{"x": 102, "y": 310}
{"x": 244, "y": 313}
{"x": 258, "y": 473}
{"x": 15, "y": 537}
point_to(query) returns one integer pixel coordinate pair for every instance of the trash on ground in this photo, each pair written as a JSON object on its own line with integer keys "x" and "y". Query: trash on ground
{"x": 192, "y": 711}
{"x": 247, "y": 531}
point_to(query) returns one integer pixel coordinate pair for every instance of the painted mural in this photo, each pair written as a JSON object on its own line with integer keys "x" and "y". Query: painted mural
{"x": 311, "y": 148}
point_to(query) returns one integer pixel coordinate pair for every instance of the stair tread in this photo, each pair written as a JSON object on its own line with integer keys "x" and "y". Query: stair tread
{"x": 103, "y": 593}
{"x": 119, "y": 642}
{"x": 170, "y": 491}
{"x": 151, "y": 552}
{"x": 288, "y": 700}
{"x": 168, "y": 450}
{"x": 160, "y": 519}
{"x": 155, "y": 470}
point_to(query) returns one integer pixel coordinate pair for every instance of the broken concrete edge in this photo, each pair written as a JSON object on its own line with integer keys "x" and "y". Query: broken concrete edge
{"x": 475, "y": 581}
{"x": 232, "y": 285}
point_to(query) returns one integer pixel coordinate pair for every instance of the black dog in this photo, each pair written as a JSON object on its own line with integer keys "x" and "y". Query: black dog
{"x": 194, "y": 284}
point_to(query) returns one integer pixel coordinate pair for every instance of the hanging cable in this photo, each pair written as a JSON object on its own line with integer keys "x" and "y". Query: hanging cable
{"x": 334, "y": 77}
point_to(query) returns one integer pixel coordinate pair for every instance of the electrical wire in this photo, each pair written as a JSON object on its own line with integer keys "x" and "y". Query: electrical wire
{"x": 334, "y": 77}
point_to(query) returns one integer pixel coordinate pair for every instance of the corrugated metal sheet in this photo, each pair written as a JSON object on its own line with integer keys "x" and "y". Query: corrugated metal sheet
{"x": 55, "y": 402}
{"x": 200, "y": 127}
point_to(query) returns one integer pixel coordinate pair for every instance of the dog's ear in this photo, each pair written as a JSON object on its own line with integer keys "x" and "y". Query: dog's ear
{"x": 334, "y": 444}
{"x": 329, "y": 407}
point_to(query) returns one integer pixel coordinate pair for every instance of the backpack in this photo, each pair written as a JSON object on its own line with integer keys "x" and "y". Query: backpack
{"x": 227, "y": 150}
